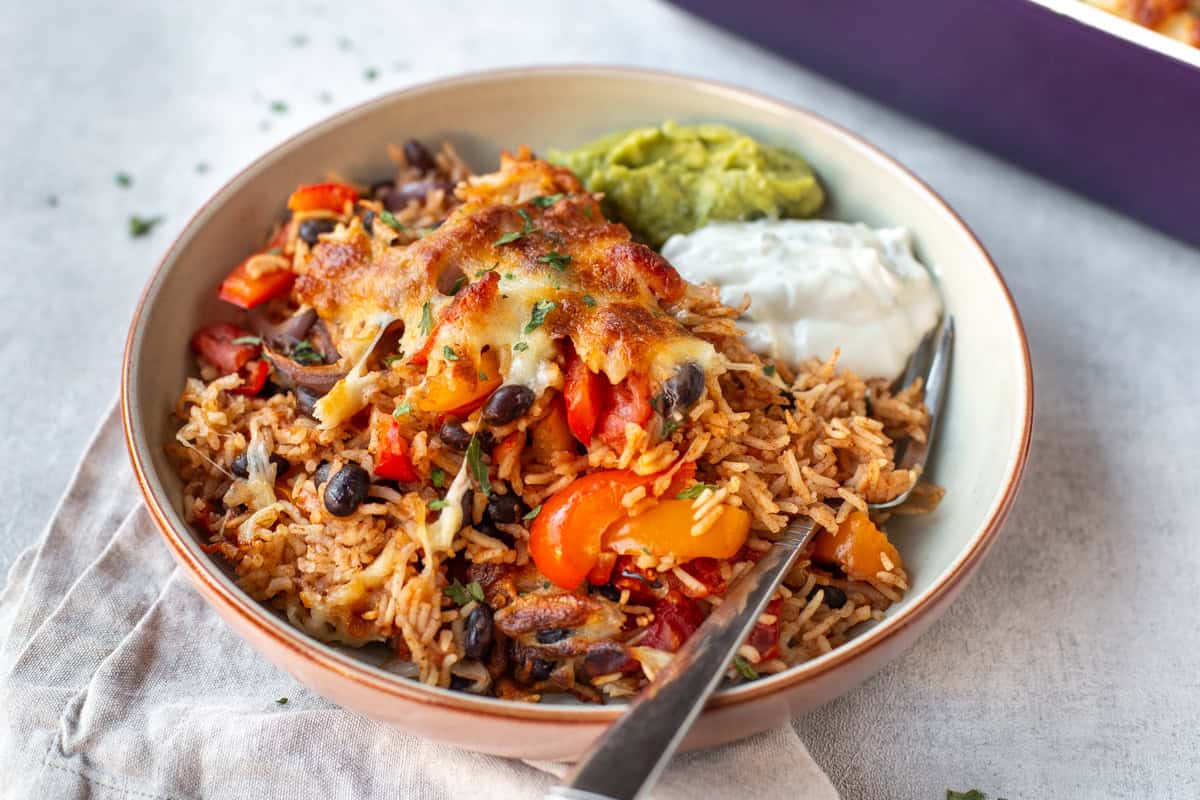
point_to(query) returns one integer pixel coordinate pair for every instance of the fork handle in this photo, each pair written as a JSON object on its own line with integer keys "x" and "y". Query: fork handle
{"x": 629, "y": 757}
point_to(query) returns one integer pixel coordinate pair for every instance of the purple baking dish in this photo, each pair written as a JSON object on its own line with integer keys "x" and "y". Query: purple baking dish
{"x": 1085, "y": 98}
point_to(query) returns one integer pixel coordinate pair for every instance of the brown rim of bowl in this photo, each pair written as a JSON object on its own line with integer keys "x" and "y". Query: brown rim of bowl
{"x": 301, "y": 645}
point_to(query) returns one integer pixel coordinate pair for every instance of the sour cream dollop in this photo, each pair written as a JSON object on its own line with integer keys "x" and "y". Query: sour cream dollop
{"x": 815, "y": 286}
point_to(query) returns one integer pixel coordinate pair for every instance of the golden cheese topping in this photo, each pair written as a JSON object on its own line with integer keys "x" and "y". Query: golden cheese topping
{"x": 525, "y": 263}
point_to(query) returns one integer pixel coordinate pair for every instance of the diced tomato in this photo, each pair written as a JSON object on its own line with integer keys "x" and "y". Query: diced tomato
{"x": 216, "y": 344}
{"x": 583, "y": 392}
{"x": 255, "y": 380}
{"x": 676, "y": 618}
{"x": 245, "y": 290}
{"x": 705, "y": 570}
{"x": 393, "y": 456}
{"x": 322, "y": 197}
{"x": 628, "y": 401}
{"x": 765, "y": 638}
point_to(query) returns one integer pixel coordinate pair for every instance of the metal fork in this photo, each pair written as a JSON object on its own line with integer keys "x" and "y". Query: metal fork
{"x": 629, "y": 757}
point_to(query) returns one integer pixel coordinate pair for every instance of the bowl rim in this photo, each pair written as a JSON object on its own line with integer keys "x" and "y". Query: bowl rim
{"x": 235, "y": 601}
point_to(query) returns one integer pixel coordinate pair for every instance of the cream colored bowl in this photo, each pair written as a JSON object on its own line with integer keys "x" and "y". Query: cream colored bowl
{"x": 980, "y": 455}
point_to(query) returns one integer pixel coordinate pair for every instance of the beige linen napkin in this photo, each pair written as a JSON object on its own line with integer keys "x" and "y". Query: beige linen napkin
{"x": 118, "y": 681}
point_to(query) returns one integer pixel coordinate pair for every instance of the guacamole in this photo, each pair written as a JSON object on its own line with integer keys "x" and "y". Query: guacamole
{"x": 674, "y": 178}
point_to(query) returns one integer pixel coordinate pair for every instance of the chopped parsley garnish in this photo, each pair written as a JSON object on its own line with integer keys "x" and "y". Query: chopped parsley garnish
{"x": 438, "y": 505}
{"x": 449, "y": 354}
{"x": 371, "y": 73}
{"x": 589, "y": 301}
{"x": 426, "y": 319}
{"x": 390, "y": 220}
{"x": 744, "y": 669}
{"x": 458, "y": 284}
{"x": 281, "y": 701}
{"x": 555, "y": 259}
{"x": 123, "y": 179}
{"x": 388, "y": 360}
{"x": 512, "y": 236}
{"x": 532, "y": 514}
{"x": 507, "y": 238}
{"x": 483, "y": 376}
{"x": 278, "y": 106}
{"x": 402, "y": 409}
{"x": 970, "y": 794}
{"x": 140, "y": 226}
{"x": 669, "y": 426}
{"x": 538, "y": 316}
{"x": 546, "y": 200}
{"x": 528, "y": 221}
{"x": 275, "y": 251}
{"x": 695, "y": 490}
{"x": 478, "y": 469}
{"x": 508, "y": 276}
{"x": 201, "y": 167}
{"x": 464, "y": 594}
{"x": 304, "y": 353}
{"x": 483, "y": 272}
{"x": 520, "y": 347}
{"x": 587, "y": 210}
{"x": 247, "y": 340}
{"x": 769, "y": 370}
{"x": 437, "y": 477}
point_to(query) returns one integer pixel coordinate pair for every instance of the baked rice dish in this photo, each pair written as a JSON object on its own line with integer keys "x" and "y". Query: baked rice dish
{"x": 475, "y": 421}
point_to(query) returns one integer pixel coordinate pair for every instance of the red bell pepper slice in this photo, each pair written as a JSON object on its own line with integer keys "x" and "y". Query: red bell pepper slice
{"x": 394, "y": 457}
{"x": 628, "y": 401}
{"x": 322, "y": 197}
{"x": 215, "y": 343}
{"x": 583, "y": 392}
{"x": 245, "y": 290}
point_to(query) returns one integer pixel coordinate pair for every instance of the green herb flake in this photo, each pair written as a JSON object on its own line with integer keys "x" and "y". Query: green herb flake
{"x": 123, "y": 179}
{"x": 283, "y": 701}
{"x": 546, "y": 200}
{"x": 769, "y": 370}
{"x": 438, "y": 505}
{"x": 426, "y": 319}
{"x": 520, "y": 347}
{"x": 275, "y": 251}
{"x": 528, "y": 221}
{"x": 247, "y": 340}
{"x": 371, "y": 73}
{"x": 545, "y": 584}
{"x": 475, "y": 590}
{"x": 670, "y": 425}
{"x": 483, "y": 376}
{"x": 458, "y": 284}
{"x": 508, "y": 276}
{"x": 695, "y": 490}
{"x": 437, "y": 477}
{"x": 458, "y": 593}
{"x": 402, "y": 409}
{"x": 555, "y": 259}
{"x": 478, "y": 469}
{"x": 201, "y": 167}
{"x": 449, "y": 354}
{"x": 140, "y": 226}
{"x": 388, "y": 360}
{"x": 52, "y": 200}
{"x": 298, "y": 40}
{"x": 304, "y": 353}
{"x": 744, "y": 669}
{"x": 589, "y": 301}
{"x": 483, "y": 272}
{"x": 538, "y": 315}
{"x": 279, "y": 107}
{"x": 970, "y": 794}
{"x": 587, "y": 210}
{"x": 390, "y": 220}
{"x": 507, "y": 238}
{"x": 533, "y": 514}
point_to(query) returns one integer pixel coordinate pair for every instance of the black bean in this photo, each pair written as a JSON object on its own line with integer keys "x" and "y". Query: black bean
{"x": 346, "y": 490}
{"x": 418, "y": 156}
{"x": 306, "y": 399}
{"x": 540, "y": 669}
{"x": 399, "y": 198}
{"x": 379, "y": 190}
{"x": 507, "y": 404}
{"x": 506, "y": 508}
{"x": 455, "y": 435}
{"x": 834, "y": 597}
{"x": 478, "y": 632}
{"x": 552, "y": 635}
{"x": 322, "y": 473}
{"x": 683, "y": 388}
{"x": 468, "y": 506}
{"x": 608, "y": 592}
{"x": 241, "y": 466}
{"x": 310, "y": 229}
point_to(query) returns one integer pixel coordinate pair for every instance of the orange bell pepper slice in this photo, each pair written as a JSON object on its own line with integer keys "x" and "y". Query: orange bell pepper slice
{"x": 855, "y": 548}
{"x": 666, "y": 529}
{"x": 461, "y": 386}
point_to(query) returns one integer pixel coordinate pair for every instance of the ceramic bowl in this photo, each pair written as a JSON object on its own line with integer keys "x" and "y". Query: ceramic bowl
{"x": 981, "y": 449}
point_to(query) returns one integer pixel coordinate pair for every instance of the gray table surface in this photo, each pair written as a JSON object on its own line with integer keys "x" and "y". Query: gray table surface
{"x": 1068, "y": 667}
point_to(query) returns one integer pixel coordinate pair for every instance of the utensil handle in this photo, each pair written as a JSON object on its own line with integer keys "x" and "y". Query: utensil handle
{"x": 629, "y": 757}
